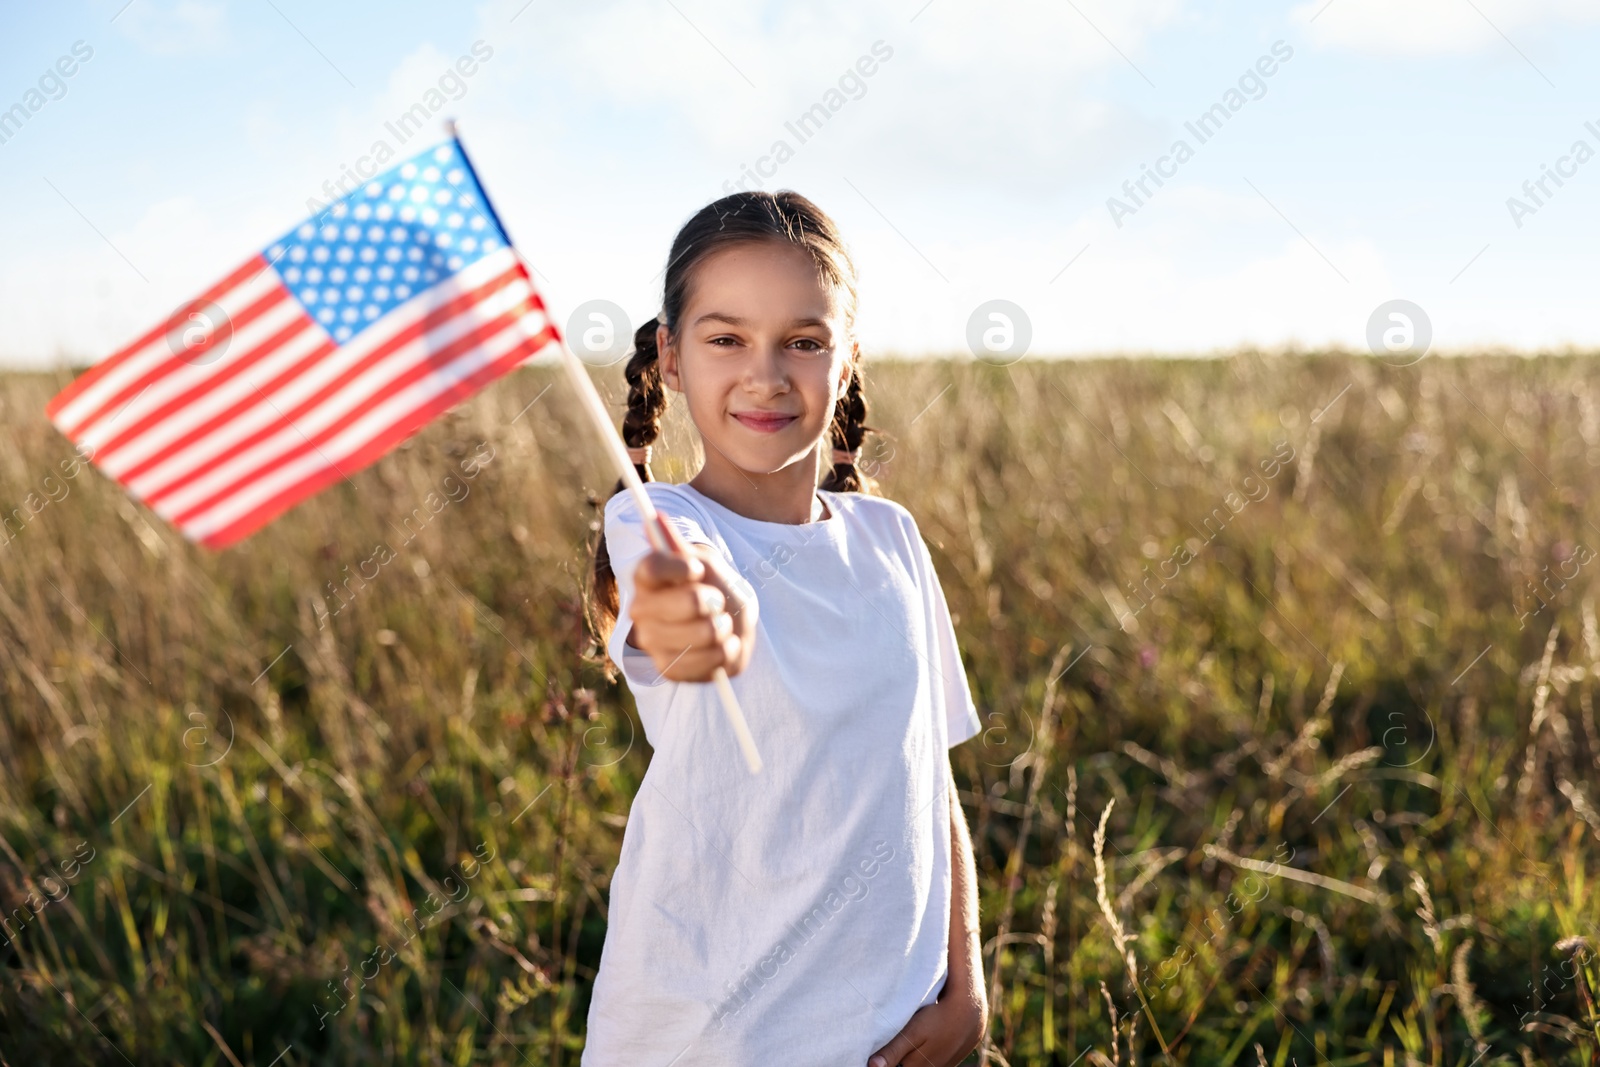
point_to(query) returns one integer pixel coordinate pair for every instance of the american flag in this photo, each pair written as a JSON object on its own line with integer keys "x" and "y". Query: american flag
{"x": 316, "y": 356}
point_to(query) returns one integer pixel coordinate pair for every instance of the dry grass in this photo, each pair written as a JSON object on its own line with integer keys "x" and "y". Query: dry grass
{"x": 1351, "y": 742}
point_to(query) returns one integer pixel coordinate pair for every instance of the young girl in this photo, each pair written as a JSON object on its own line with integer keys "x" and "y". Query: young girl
{"x": 824, "y": 911}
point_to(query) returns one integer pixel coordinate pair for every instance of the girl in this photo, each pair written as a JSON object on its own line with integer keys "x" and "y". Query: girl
{"x": 824, "y": 911}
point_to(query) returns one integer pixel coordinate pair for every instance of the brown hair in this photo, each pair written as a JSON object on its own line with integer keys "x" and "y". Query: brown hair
{"x": 740, "y": 218}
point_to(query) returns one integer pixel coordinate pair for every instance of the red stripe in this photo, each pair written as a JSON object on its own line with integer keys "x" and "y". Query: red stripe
{"x": 196, "y": 392}
{"x": 433, "y": 361}
{"x": 116, "y": 359}
{"x": 244, "y": 403}
{"x": 268, "y": 300}
{"x": 374, "y": 449}
{"x": 437, "y": 317}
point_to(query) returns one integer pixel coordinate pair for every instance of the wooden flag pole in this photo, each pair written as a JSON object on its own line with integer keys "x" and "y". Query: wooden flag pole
{"x": 612, "y": 439}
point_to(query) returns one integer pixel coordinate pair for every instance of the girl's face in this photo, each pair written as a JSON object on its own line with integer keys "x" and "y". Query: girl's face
{"x": 761, "y": 357}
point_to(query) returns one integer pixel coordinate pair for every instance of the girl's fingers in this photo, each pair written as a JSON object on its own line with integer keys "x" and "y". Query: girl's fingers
{"x": 700, "y": 664}
{"x": 675, "y": 602}
{"x": 904, "y": 1044}
{"x": 694, "y": 634}
{"x": 658, "y": 569}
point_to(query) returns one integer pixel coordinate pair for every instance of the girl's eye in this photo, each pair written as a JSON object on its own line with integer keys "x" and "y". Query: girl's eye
{"x": 817, "y": 346}
{"x": 715, "y": 340}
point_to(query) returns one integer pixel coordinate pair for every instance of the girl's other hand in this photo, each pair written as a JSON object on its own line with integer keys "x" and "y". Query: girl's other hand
{"x": 941, "y": 1034}
{"x": 687, "y": 612}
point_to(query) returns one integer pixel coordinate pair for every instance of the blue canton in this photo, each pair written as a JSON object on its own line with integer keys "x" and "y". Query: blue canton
{"x": 400, "y": 234}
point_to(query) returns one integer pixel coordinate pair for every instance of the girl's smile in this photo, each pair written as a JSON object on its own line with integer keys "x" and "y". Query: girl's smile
{"x": 765, "y": 421}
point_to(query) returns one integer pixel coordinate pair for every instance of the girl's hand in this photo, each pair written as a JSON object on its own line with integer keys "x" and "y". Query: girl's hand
{"x": 939, "y": 1035}
{"x": 687, "y": 612}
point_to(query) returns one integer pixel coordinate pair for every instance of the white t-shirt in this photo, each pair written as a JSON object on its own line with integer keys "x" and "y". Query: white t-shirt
{"x": 800, "y": 915}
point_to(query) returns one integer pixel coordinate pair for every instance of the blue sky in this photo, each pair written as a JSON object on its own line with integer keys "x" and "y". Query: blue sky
{"x": 974, "y": 163}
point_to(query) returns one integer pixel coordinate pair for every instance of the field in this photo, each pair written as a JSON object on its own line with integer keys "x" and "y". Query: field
{"x": 1287, "y": 667}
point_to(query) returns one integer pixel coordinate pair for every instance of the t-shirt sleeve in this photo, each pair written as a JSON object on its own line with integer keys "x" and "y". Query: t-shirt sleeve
{"x": 626, "y": 545}
{"x": 960, "y": 713}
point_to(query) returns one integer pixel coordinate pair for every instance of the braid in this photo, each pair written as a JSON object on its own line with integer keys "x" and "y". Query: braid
{"x": 647, "y": 398}
{"x": 849, "y": 428}
{"x": 641, "y": 426}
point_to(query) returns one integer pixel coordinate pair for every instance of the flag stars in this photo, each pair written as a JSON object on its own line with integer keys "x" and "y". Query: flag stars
{"x": 393, "y": 237}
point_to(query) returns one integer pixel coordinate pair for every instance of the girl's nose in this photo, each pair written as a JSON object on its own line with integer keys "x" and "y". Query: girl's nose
{"x": 765, "y": 372}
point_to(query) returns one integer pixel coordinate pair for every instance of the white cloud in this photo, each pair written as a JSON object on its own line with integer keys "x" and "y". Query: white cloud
{"x": 1437, "y": 27}
{"x": 181, "y": 28}
{"x": 975, "y": 91}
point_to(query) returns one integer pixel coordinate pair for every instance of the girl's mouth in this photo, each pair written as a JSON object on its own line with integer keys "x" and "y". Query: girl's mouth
{"x": 764, "y": 422}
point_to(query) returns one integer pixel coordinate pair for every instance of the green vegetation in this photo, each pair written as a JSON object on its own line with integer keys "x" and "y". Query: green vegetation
{"x": 1339, "y": 740}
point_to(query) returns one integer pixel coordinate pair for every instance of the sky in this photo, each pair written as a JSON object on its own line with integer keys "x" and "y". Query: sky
{"x": 1358, "y": 152}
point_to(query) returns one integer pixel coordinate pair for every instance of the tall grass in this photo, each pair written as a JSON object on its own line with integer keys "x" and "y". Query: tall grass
{"x": 351, "y": 792}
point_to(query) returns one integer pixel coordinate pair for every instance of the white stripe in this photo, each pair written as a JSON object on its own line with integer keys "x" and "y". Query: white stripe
{"x": 174, "y": 383}
{"x": 268, "y": 409}
{"x": 319, "y": 418}
{"x": 417, "y": 395}
{"x": 152, "y": 355}
{"x": 197, "y": 411}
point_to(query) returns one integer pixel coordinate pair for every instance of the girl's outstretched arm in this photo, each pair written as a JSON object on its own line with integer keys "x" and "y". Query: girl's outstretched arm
{"x": 942, "y": 1033}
